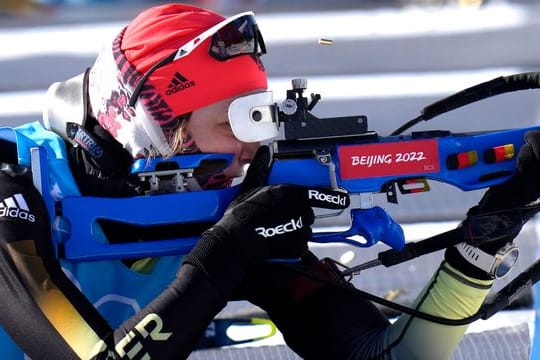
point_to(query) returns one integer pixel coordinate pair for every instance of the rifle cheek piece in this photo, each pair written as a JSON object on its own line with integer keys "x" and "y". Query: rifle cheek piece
{"x": 253, "y": 118}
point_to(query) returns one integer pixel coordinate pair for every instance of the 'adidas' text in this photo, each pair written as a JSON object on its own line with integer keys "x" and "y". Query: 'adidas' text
{"x": 17, "y": 213}
{"x": 15, "y": 207}
{"x": 178, "y": 83}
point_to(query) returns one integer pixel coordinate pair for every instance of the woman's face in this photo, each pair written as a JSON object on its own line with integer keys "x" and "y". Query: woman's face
{"x": 209, "y": 128}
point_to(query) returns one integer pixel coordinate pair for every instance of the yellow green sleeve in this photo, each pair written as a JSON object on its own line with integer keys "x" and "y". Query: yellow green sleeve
{"x": 449, "y": 294}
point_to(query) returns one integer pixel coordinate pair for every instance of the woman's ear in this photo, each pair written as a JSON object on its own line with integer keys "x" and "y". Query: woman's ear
{"x": 183, "y": 141}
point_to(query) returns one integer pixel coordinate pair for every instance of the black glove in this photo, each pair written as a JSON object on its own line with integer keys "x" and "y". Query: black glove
{"x": 262, "y": 223}
{"x": 522, "y": 188}
{"x": 502, "y": 211}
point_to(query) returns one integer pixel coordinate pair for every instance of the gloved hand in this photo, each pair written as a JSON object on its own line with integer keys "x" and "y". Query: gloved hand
{"x": 262, "y": 223}
{"x": 502, "y": 211}
{"x": 524, "y": 187}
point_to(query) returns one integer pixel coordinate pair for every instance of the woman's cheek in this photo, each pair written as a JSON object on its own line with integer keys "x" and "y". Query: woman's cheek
{"x": 234, "y": 170}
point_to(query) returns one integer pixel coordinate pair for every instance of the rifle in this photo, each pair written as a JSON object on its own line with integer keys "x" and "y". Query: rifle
{"x": 337, "y": 152}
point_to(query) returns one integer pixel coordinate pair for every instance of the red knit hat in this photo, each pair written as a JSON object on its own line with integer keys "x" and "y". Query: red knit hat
{"x": 177, "y": 88}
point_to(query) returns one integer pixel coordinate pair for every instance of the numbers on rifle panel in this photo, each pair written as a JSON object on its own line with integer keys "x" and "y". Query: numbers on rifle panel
{"x": 410, "y": 156}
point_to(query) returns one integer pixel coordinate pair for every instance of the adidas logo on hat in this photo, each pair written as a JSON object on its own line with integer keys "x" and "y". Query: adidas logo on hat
{"x": 178, "y": 83}
{"x": 15, "y": 207}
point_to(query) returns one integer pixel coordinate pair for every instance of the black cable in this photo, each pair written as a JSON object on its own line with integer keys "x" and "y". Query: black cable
{"x": 502, "y": 298}
{"x": 497, "y": 86}
{"x": 307, "y": 272}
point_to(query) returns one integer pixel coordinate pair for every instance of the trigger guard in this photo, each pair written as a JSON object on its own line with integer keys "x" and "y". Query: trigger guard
{"x": 373, "y": 225}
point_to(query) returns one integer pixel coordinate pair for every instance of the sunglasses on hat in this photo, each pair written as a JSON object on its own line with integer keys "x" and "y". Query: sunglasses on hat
{"x": 234, "y": 36}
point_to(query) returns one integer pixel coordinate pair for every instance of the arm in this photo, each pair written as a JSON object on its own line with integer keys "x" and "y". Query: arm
{"x": 347, "y": 325}
{"x": 260, "y": 224}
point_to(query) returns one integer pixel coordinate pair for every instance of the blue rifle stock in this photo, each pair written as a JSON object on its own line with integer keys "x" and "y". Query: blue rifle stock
{"x": 336, "y": 152}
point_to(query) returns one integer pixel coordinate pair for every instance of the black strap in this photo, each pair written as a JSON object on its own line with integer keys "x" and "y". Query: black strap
{"x": 8, "y": 152}
{"x": 90, "y": 145}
